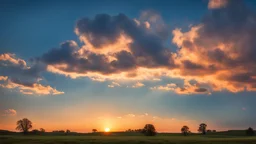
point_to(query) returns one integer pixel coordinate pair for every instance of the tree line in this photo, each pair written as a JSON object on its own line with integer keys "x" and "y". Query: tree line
{"x": 24, "y": 125}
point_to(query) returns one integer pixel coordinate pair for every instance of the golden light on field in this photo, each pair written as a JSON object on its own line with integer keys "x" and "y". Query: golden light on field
{"x": 107, "y": 129}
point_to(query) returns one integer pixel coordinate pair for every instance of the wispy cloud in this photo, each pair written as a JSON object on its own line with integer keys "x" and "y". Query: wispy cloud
{"x": 114, "y": 84}
{"x": 138, "y": 84}
{"x": 9, "y": 112}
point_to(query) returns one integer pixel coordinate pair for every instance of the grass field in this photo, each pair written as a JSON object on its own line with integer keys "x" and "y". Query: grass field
{"x": 160, "y": 139}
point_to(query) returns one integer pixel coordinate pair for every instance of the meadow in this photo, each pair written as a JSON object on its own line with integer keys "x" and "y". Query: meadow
{"x": 167, "y": 138}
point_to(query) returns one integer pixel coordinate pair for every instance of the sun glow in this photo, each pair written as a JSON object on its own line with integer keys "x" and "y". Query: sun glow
{"x": 107, "y": 129}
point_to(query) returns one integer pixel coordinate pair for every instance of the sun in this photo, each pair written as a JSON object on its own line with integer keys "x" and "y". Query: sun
{"x": 107, "y": 129}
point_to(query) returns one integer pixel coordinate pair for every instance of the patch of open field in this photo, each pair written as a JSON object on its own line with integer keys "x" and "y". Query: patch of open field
{"x": 195, "y": 139}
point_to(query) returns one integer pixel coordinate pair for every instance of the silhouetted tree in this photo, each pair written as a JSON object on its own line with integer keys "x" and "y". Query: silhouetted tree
{"x": 138, "y": 130}
{"x": 35, "y": 131}
{"x": 42, "y": 130}
{"x": 250, "y": 132}
{"x": 94, "y": 130}
{"x": 24, "y": 125}
{"x": 58, "y": 131}
{"x": 67, "y": 131}
{"x": 214, "y": 131}
{"x": 185, "y": 130}
{"x": 149, "y": 130}
{"x": 202, "y": 128}
{"x": 209, "y": 131}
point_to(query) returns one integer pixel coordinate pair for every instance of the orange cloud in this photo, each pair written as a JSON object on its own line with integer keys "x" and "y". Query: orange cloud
{"x": 188, "y": 88}
{"x": 3, "y": 78}
{"x": 114, "y": 84}
{"x": 31, "y": 89}
{"x": 9, "y": 112}
{"x": 138, "y": 84}
{"x": 12, "y": 59}
{"x": 213, "y": 4}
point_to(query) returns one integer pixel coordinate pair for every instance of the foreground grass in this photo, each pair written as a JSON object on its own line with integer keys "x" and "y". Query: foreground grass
{"x": 125, "y": 140}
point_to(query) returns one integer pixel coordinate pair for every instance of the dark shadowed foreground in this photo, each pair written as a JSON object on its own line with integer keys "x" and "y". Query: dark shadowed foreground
{"x": 160, "y": 139}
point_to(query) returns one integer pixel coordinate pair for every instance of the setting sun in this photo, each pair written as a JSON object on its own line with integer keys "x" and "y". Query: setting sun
{"x": 107, "y": 129}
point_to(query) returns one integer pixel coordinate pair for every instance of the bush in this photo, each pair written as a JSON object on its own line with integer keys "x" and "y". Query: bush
{"x": 250, "y": 132}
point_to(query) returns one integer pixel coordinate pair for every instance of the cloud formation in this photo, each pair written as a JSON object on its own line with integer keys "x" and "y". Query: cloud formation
{"x": 114, "y": 47}
{"x": 138, "y": 84}
{"x": 114, "y": 84}
{"x": 18, "y": 75}
{"x": 9, "y": 112}
{"x": 187, "y": 88}
{"x": 218, "y": 54}
{"x": 220, "y": 51}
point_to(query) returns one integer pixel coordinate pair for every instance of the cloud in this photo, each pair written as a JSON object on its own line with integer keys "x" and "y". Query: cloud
{"x": 218, "y": 53}
{"x": 114, "y": 84}
{"x": 138, "y": 84}
{"x": 8, "y": 58}
{"x": 187, "y": 88}
{"x": 20, "y": 76}
{"x": 30, "y": 88}
{"x": 114, "y": 47}
{"x": 214, "y": 4}
{"x": 130, "y": 115}
{"x": 220, "y": 50}
{"x": 3, "y": 78}
{"x": 9, "y": 112}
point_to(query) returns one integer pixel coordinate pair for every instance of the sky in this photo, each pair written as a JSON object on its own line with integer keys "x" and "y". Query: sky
{"x": 119, "y": 64}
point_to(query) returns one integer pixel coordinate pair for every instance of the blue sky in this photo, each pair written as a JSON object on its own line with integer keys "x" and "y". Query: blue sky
{"x": 184, "y": 80}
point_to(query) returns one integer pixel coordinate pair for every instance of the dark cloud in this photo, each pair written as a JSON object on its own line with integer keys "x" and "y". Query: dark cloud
{"x": 125, "y": 61}
{"x": 190, "y": 65}
{"x": 105, "y": 29}
{"x": 16, "y": 74}
{"x": 201, "y": 90}
{"x": 222, "y": 47}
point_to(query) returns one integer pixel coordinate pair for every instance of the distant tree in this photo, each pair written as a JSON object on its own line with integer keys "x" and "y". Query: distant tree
{"x": 42, "y": 130}
{"x": 67, "y": 131}
{"x": 214, "y": 131}
{"x": 35, "y": 131}
{"x": 24, "y": 125}
{"x": 185, "y": 130}
{"x": 138, "y": 130}
{"x": 149, "y": 130}
{"x": 94, "y": 130}
{"x": 58, "y": 131}
{"x": 202, "y": 128}
{"x": 250, "y": 132}
{"x": 209, "y": 131}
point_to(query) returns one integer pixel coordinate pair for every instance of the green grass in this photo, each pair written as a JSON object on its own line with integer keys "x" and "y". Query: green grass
{"x": 160, "y": 139}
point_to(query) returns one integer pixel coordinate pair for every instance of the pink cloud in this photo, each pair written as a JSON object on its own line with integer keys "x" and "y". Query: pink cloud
{"x": 9, "y": 112}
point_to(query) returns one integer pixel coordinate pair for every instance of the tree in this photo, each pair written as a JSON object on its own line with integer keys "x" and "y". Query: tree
{"x": 35, "y": 131}
{"x": 185, "y": 130}
{"x": 250, "y": 132}
{"x": 42, "y": 130}
{"x": 67, "y": 131}
{"x": 202, "y": 128}
{"x": 24, "y": 125}
{"x": 94, "y": 130}
{"x": 209, "y": 131}
{"x": 149, "y": 130}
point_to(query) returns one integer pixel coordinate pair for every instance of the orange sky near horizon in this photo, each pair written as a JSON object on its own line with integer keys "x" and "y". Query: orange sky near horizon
{"x": 115, "y": 123}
